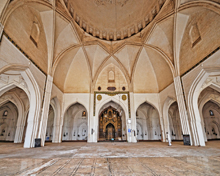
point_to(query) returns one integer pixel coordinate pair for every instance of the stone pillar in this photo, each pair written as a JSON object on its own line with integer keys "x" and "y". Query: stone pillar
{"x": 133, "y": 119}
{"x": 91, "y": 119}
{"x": 45, "y": 110}
{"x": 56, "y": 134}
{"x": 19, "y": 134}
{"x": 129, "y": 131}
{"x": 182, "y": 107}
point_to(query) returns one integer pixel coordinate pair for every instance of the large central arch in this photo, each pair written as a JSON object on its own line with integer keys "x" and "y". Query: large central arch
{"x": 111, "y": 114}
{"x": 110, "y": 124}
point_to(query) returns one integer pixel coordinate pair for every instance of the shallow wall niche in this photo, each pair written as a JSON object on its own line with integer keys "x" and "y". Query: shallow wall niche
{"x": 75, "y": 125}
{"x": 148, "y": 123}
{"x": 50, "y": 124}
{"x": 174, "y": 122}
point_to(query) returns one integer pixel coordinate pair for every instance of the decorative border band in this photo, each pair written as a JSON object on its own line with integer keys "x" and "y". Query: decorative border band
{"x": 111, "y": 94}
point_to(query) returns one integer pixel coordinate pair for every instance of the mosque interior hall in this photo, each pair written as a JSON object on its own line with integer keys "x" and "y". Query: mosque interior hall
{"x": 109, "y": 87}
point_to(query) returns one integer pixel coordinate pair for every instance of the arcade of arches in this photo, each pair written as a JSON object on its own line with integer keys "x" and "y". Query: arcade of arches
{"x": 65, "y": 76}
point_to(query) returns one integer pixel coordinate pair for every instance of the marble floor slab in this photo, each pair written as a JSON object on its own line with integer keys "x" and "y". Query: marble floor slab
{"x": 144, "y": 158}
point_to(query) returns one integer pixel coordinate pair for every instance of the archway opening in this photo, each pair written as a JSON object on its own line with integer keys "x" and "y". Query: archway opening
{"x": 175, "y": 129}
{"x": 208, "y": 105}
{"x": 147, "y": 123}
{"x": 112, "y": 123}
{"x": 14, "y": 107}
{"x": 75, "y": 125}
{"x": 8, "y": 121}
{"x": 211, "y": 117}
{"x": 111, "y": 132}
{"x": 50, "y": 125}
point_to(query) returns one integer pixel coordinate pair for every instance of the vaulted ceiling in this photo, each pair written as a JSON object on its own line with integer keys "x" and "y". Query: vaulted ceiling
{"x": 148, "y": 42}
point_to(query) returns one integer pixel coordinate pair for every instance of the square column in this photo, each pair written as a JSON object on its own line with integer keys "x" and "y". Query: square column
{"x": 133, "y": 119}
{"x": 45, "y": 110}
{"x": 182, "y": 107}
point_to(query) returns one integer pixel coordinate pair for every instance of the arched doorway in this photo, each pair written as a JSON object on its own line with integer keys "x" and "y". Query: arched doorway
{"x": 211, "y": 117}
{"x": 75, "y": 125}
{"x": 8, "y": 121}
{"x": 110, "y": 132}
{"x": 14, "y": 107}
{"x": 147, "y": 123}
{"x": 175, "y": 129}
{"x": 110, "y": 125}
{"x": 50, "y": 124}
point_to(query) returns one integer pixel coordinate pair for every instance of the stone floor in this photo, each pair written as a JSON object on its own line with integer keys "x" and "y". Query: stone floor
{"x": 79, "y": 158}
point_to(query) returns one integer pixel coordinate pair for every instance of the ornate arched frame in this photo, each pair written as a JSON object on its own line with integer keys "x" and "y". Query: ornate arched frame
{"x": 99, "y": 109}
{"x": 63, "y": 116}
{"x": 168, "y": 102}
{"x": 34, "y": 96}
{"x": 14, "y": 98}
{"x": 103, "y": 112}
{"x": 160, "y": 116}
{"x": 193, "y": 108}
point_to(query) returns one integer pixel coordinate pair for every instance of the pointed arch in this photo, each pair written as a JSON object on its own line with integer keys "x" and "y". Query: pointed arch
{"x": 194, "y": 92}
{"x": 168, "y": 102}
{"x": 33, "y": 92}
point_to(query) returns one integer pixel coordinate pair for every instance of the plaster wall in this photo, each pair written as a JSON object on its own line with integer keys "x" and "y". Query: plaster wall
{"x": 75, "y": 125}
{"x": 11, "y": 56}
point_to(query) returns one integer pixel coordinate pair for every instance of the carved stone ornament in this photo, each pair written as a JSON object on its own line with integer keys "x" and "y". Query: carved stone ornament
{"x": 105, "y": 27}
{"x": 99, "y": 97}
{"x": 103, "y": 2}
{"x": 124, "y": 97}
